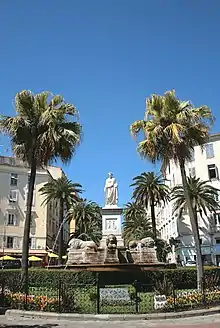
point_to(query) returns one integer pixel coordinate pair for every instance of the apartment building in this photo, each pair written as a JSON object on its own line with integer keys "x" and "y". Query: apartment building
{"x": 14, "y": 176}
{"x": 205, "y": 164}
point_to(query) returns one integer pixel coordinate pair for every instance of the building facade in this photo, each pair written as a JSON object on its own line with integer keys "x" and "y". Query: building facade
{"x": 204, "y": 164}
{"x": 14, "y": 176}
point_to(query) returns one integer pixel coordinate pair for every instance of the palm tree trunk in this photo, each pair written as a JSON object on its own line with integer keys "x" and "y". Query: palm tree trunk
{"x": 25, "y": 248}
{"x": 61, "y": 216}
{"x": 197, "y": 229}
{"x": 194, "y": 225}
{"x": 153, "y": 219}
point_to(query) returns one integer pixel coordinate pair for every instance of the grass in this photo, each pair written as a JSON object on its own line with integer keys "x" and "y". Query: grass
{"x": 86, "y": 300}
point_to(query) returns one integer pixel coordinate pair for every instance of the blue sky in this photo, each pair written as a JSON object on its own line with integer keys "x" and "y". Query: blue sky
{"x": 106, "y": 57}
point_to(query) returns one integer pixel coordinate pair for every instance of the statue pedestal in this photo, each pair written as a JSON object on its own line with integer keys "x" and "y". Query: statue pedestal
{"x": 111, "y": 256}
{"x": 111, "y": 224}
{"x": 145, "y": 255}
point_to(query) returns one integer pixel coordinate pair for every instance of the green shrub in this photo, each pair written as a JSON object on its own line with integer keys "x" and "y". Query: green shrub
{"x": 182, "y": 278}
{"x": 11, "y": 278}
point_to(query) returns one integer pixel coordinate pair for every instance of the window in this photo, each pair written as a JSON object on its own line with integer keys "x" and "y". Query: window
{"x": 217, "y": 218}
{"x": 192, "y": 171}
{"x": 16, "y": 242}
{"x": 14, "y": 179}
{"x": 200, "y": 241}
{"x": 217, "y": 197}
{"x": 13, "y": 196}
{"x": 11, "y": 219}
{"x": 32, "y": 243}
{"x": 9, "y": 242}
{"x": 212, "y": 171}
{"x": 217, "y": 241}
{"x": 209, "y": 150}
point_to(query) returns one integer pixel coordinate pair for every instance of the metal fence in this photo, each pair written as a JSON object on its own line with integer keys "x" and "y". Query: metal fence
{"x": 97, "y": 298}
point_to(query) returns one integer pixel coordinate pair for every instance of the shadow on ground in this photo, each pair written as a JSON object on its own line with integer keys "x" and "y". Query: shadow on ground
{"x": 28, "y": 326}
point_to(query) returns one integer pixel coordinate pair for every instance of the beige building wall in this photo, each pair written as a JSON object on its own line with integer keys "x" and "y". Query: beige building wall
{"x": 13, "y": 197}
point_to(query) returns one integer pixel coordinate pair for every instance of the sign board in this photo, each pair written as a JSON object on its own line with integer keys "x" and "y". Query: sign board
{"x": 114, "y": 295}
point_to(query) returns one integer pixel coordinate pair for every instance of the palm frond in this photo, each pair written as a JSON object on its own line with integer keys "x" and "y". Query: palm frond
{"x": 202, "y": 194}
{"x": 172, "y": 128}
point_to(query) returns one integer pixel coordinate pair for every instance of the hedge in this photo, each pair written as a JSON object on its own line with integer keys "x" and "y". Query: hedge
{"x": 11, "y": 278}
{"x": 183, "y": 278}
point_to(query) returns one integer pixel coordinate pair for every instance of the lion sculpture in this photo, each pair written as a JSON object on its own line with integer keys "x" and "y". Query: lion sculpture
{"x": 143, "y": 243}
{"x": 111, "y": 242}
{"x": 76, "y": 243}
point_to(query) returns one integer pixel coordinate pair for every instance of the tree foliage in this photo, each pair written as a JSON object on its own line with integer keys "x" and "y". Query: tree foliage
{"x": 66, "y": 193}
{"x": 150, "y": 190}
{"x": 61, "y": 188}
{"x": 202, "y": 194}
{"x": 136, "y": 223}
{"x": 88, "y": 218}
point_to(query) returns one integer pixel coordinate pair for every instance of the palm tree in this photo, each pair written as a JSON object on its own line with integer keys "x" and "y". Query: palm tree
{"x": 88, "y": 218}
{"x": 172, "y": 128}
{"x": 136, "y": 223}
{"x": 67, "y": 193}
{"x": 203, "y": 197}
{"x": 41, "y": 132}
{"x": 150, "y": 190}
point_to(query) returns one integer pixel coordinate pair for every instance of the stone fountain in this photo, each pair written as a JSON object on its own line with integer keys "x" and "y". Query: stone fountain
{"x": 111, "y": 250}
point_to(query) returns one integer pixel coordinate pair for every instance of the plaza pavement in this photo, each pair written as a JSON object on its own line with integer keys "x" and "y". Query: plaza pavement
{"x": 210, "y": 321}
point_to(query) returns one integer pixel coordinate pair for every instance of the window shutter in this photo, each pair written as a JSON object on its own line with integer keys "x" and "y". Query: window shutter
{"x": 34, "y": 197}
{"x": 5, "y": 241}
{"x": 15, "y": 220}
{"x": 209, "y": 150}
{"x": 2, "y": 241}
{"x": 15, "y": 242}
{"x": 6, "y": 219}
{"x": 26, "y": 194}
{"x": 33, "y": 243}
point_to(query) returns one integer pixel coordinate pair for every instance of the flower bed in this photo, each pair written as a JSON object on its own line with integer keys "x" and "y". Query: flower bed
{"x": 192, "y": 299}
{"x": 32, "y": 302}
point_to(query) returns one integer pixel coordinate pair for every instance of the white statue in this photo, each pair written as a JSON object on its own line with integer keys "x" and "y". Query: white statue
{"x": 111, "y": 190}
